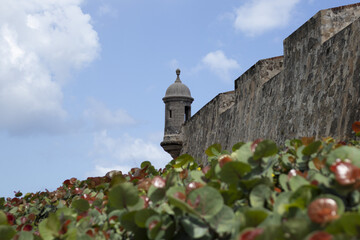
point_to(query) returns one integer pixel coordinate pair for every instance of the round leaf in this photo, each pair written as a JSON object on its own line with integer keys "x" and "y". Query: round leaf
{"x": 142, "y": 215}
{"x": 81, "y": 205}
{"x": 253, "y": 217}
{"x": 7, "y": 232}
{"x": 311, "y": 148}
{"x": 123, "y": 195}
{"x": 259, "y": 195}
{"x": 3, "y": 218}
{"x": 265, "y": 148}
{"x": 224, "y": 220}
{"x": 231, "y": 172}
{"x": 206, "y": 201}
{"x": 213, "y": 150}
{"x": 237, "y": 146}
{"x": 194, "y": 227}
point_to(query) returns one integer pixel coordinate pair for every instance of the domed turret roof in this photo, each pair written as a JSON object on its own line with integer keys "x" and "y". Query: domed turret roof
{"x": 178, "y": 89}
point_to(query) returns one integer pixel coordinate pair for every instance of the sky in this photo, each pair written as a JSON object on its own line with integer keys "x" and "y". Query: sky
{"x": 82, "y": 81}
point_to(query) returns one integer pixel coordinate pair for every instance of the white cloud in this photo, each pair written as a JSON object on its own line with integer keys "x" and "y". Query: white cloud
{"x": 103, "y": 118}
{"x": 125, "y": 152}
{"x": 101, "y": 171}
{"x": 107, "y": 10}
{"x": 41, "y": 42}
{"x": 174, "y": 64}
{"x": 220, "y": 64}
{"x": 258, "y": 16}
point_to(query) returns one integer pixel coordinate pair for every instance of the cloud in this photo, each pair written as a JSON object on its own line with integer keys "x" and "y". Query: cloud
{"x": 107, "y": 10}
{"x": 125, "y": 152}
{"x": 103, "y": 118}
{"x": 257, "y": 16}
{"x": 220, "y": 64}
{"x": 174, "y": 64}
{"x": 41, "y": 42}
{"x": 101, "y": 171}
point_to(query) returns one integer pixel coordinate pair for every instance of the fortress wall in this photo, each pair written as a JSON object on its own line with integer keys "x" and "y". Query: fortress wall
{"x": 317, "y": 94}
{"x": 337, "y": 93}
{"x": 260, "y": 72}
{"x": 257, "y": 115}
{"x": 216, "y": 116}
{"x": 315, "y": 73}
{"x": 247, "y": 93}
{"x": 335, "y": 19}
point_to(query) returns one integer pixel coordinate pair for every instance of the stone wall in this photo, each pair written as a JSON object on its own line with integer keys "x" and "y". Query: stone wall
{"x": 313, "y": 91}
{"x": 216, "y": 116}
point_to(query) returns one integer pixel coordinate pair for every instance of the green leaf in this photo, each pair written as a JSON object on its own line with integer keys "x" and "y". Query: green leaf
{"x": 272, "y": 232}
{"x": 297, "y": 228}
{"x": 244, "y": 153}
{"x": 231, "y": 172}
{"x": 237, "y": 146}
{"x": 260, "y": 195}
{"x": 197, "y": 176}
{"x": 250, "y": 184}
{"x": 206, "y": 201}
{"x": 2, "y": 202}
{"x": 283, "y": 180}
{"x": 286, "y": 162}
{"x": 321, "y": 179}
{"x": 176, "y": 202}
{"x": 117, "y": 179}
{"x": 128, "y": 221}
{"x": 183, "y": 161}
{"x": 123, "y": 195}
{"x": 153, "y": 224}
{"x": 224, "y": 220}
{"x": 156, "y": 194}
{"x": 145, "y": 163}
{"x": 26, "y": 236}
{"x": 265, "y": 148}
{"x": 194, "y": 227}
{"x": 168, "y": 227}
{"x": 345, "y": 152}
{"x": 49, "y": 228}
{"x": 3, "y": 218}
{"x": 142, "y": 215}
{"x": 81, "y": 205}
{"x": 253, "y": 217}
{"x": 81, "y": 236}
{"x": 311, "y": 148}
{"x": 348, "y": 223}
{"x": 213, "y": 150}
{"x": 138, "y": 206}
{"x": 281, "y": 202}
{"x": 117, "y": 213}
{"x": 303, "y": 196}
{"x": 296, "y": 143}
{"x": 297, "y": 181}
{"x": 231, "y": 195}
{"x": 7, "y": 232}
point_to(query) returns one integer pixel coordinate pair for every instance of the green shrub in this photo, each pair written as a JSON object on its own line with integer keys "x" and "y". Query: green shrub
{"x": 309, "y": 190}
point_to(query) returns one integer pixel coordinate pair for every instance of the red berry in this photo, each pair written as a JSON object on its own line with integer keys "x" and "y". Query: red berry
{"x": 224, "y": 159}
{"x": 323, "y": 210}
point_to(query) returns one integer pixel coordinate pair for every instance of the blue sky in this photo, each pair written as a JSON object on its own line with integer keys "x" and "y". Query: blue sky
{"x": 82, "y": 81}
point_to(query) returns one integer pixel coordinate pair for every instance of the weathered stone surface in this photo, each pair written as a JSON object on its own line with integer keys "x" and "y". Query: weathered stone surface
{"x": 314, "y": 90}
{"x": 177, "y": 110}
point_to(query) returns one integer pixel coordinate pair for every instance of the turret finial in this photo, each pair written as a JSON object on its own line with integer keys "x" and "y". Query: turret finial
{"x": 178, "y": 75}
